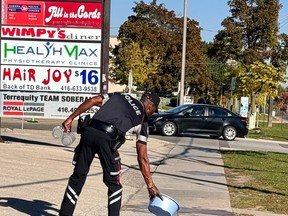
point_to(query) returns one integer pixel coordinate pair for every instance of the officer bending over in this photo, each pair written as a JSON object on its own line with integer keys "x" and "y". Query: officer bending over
{"x": 104, "y": 134}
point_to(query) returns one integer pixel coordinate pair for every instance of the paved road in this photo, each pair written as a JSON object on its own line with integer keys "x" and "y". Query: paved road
{"x": 238, "y": 144}
{"x": 244, "y": 144}
{"x": 190, "y": 169}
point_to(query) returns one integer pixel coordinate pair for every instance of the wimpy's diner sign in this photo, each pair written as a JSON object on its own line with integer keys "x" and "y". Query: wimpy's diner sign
{"x": 58, "y": 33}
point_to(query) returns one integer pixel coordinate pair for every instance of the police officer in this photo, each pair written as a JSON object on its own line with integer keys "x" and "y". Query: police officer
{"x": 105, "y": 133}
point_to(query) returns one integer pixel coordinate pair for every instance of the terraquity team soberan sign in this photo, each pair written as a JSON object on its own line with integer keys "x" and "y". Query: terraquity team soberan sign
{"x": 50, "y": 46}
{"x": 41, "y": 105}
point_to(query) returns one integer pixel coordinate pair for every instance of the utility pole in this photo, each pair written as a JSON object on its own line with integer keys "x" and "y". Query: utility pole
{"x": 182, "y": 83}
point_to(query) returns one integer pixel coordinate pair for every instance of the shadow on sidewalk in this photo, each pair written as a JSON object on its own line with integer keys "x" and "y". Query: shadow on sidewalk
{"x": 25, "y": 141}
{"x": 202, "y": 181}
{"x": 185, "y": 156}
{"x": 33, "y": 208}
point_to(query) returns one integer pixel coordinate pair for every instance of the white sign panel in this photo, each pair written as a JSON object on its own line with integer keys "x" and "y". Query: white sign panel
{"x": 244, "y": 106}
{"x": 188, "y": 100}
{"x": 49, "y": 79}
{"x": 51, "y": 33}
{"x": 40, "y": 53}
{"x": 41, "y": 105}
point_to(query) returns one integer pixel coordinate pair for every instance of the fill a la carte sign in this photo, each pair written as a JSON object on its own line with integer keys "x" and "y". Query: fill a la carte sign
{"x": 77, "y": 14}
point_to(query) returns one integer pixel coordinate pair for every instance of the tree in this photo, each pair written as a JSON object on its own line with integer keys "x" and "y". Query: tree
{"x": 250, "y": 38}
{"x": 159, "y": 31}
{"x": 280, "y": 56}
{"x": 259, "y": 81}
{"x": 250, "y": 34}
{"x": 221, "y": 74}
{"x": 136, "y": 60}
{"x": 266, "y": 80}
{"x": 282, "y": 100}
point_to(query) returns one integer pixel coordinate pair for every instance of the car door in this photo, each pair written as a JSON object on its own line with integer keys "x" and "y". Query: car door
{"x": 193, "y": 120}
{"x": 215, "y": 120}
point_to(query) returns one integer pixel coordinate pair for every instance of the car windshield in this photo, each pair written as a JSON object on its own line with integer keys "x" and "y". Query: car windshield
{"x": 178, "y": 108}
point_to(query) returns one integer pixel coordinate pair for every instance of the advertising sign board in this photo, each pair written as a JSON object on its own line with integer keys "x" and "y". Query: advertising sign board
{"x": 23, "y": 12}
{"x": 49, "y": 13}
{"x": 49, "y": 79}
{"x": 45, "y": 49}
{"x": 51, "y": 33}
{"x": 50, "y": 53}
{"x": 76, "y": 14}
{"x": 53, "y": 49}
{"x": 41, "y": 105}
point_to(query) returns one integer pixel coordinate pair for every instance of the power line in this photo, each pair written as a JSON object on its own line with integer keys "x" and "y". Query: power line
{"x": 283, "y": 18}
{"x": 283, "y": 21}
{"x": 283, "y": 24}
{"x": 202, "y": 29}
{"x": 209, "y": 30}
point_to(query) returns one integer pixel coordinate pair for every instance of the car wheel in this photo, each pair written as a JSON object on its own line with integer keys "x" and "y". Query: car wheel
{"x": 229, "y": 133}
{"x": 169, "y": 128}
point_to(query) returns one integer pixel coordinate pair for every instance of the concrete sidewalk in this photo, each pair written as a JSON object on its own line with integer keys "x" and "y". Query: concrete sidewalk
{"x": 35, "y": 168}
{"x": 193, "y": 175}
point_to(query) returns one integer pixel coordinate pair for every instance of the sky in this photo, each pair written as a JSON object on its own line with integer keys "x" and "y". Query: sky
{"x": 209, "y": 14}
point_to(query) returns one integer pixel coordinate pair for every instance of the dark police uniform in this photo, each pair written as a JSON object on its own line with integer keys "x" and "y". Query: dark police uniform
{"x": 118, "y": 114}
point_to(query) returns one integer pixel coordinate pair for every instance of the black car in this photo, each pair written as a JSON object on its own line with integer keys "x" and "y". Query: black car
{"x": 199, "y": 119}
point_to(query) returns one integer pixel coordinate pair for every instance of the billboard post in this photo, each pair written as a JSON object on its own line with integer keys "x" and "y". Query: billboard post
{"x": 1, "y": 140}
{"x": 105, "y": 45}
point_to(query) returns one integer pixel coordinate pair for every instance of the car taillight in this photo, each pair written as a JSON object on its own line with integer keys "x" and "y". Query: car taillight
{"x": 244, "y": 120}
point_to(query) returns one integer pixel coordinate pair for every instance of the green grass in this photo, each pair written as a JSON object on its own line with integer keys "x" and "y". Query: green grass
{"x": 257, "y": 180}
{"x": 278, "y": 131}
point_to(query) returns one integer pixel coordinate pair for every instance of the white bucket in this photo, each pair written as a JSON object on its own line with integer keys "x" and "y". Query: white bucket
{"x": 165, "y": 207}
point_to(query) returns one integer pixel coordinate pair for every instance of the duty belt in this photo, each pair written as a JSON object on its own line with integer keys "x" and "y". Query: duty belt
{"x": 109, "y": 129}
